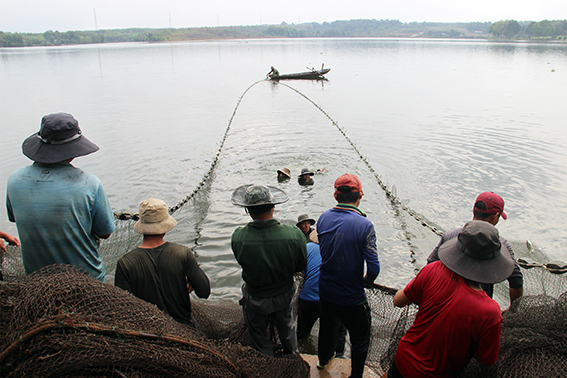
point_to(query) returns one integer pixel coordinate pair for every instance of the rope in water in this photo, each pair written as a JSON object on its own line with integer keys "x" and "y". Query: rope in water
{"x": 389, "y": 193}
{"x": 207, "y": 176}
{"x": 395, "y": 201}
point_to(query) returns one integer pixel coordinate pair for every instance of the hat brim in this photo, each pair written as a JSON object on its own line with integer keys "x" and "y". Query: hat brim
{"x": 157, "y": 228}
{"x": 35, "y": 149}
{"x": 307, "y": 173}
{"x": 484, "y": 271}
{"x": 312, "y": 221}
{"x": 239, "y": 199}
{"x": 285, "y": 174}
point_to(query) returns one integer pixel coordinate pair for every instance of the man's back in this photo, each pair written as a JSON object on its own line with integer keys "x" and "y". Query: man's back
{"x": 346, "y": 239}
{"x": 310, "y": 289}
{"x": 453, "y": 323}
{"x": 269, "y": 253}
{"x": 160, "y": 276}
{"x": 59, "y": 210}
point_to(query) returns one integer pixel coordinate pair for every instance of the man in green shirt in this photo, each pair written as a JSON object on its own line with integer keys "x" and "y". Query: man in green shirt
{"x": 269, "y": 254}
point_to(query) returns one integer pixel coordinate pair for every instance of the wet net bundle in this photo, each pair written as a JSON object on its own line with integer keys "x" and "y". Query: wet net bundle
{"x": 60, "y": 322}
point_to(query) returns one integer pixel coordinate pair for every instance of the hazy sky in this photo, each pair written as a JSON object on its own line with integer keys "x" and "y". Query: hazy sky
{"x": 37, "y": 16}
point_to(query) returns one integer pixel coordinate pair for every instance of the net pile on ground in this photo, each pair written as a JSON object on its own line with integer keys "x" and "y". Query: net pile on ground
{"x": 61, "y": 322}
{"x": 68, "y": 324}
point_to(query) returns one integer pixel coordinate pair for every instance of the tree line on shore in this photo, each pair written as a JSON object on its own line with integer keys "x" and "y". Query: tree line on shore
{"x": 509, "y": 29}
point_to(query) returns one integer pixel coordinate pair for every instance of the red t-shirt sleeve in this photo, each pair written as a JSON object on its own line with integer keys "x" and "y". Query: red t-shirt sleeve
{"x": 414, "y": 290}
{"x": 486, "y": 350}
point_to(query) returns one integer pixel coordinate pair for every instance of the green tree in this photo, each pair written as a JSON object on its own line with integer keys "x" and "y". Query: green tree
{"x": 561, "y": 27}
{"x": 543, "y": 28}
{"x": 53, "y": 37}
{"x": 508, "y": 29}
{"x": 11, "y": 40}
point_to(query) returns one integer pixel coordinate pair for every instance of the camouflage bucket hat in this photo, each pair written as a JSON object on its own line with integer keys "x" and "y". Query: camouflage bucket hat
{"x": 257, "y": 195}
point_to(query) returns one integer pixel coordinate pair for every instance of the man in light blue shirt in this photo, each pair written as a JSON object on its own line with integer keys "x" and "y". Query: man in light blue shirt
{"x": 61, "y": 211}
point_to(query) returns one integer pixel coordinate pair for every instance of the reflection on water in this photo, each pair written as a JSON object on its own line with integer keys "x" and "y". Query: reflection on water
{"x": 440, "y": 120}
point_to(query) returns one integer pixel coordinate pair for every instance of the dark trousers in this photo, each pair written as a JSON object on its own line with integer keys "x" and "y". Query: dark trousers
{"x": 307, "y": 314}
{"x": 258, "y": 312}
{"x": 357, "y": 320}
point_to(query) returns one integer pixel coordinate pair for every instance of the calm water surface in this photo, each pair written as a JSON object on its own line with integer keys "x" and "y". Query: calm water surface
{"x": 439, "y": 121}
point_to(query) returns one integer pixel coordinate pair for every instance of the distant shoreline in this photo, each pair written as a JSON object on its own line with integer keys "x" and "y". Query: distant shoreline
{"x": 505, "y": 31}
{"x": 479, "y": 39}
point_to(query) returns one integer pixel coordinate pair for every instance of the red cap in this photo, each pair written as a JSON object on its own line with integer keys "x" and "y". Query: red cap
{"x": 494, "y": 204}
{"x": 349, "y": 180}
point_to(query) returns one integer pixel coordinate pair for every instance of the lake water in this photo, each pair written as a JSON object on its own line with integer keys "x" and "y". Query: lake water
{"x": 438, "y": 121}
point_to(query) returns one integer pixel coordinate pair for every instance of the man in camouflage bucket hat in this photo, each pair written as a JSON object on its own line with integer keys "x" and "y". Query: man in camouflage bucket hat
{"x": 269, "y": 254}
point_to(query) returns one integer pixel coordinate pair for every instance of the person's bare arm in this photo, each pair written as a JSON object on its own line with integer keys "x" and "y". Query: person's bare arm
{"x": 516, "y": 293}
{"x": 400, "y": 299}
{"x": 9, "y": 239}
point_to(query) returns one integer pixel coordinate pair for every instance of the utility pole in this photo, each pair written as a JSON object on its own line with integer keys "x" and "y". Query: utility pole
{"x": 95, "y": 23}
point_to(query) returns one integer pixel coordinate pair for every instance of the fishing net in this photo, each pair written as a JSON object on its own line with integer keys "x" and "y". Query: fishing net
{"x": 61, "y": 322}
{"x": 533, "y": 338}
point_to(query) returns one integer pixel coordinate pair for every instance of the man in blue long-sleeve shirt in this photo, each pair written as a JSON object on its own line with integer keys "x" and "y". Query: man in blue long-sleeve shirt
{"x": 347, "y": 240}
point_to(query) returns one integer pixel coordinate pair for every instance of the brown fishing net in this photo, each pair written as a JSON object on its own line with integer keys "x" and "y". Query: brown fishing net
{"x": 61, "y": 322}
{"x": 533, "y": 338}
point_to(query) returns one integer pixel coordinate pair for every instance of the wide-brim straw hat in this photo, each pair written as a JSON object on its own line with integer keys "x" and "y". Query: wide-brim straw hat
{"x": 59, "y": 139}
{"x": 154, "y": 218}
{"x": 285, "y": 171}
{"x": 477, "y": 254}
{"x": 314, "y": 236}
{"x": 257, "y": 195}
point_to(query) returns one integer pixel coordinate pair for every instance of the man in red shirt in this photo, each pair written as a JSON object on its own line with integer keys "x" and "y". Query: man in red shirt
{"x": 456, "y": 318}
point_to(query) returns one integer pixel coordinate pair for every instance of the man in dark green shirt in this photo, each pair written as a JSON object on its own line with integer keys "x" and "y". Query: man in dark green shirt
{"x": 269, "y": 254}
{"x": 161, "y": 272}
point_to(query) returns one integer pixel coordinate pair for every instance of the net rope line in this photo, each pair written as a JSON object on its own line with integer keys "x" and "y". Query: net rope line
{"x": 395, "y": 201}
{"x": 206, "y": 176}
{"x": 62, "y": 322}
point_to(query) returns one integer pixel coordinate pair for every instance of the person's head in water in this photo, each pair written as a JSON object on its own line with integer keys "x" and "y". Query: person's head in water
{"x": 284, "y": 174}
{"x": 305, "y": 177}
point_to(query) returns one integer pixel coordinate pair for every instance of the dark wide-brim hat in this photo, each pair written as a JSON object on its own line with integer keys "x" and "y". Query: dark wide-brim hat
{"x": 306, "y": 171}
{"x": 477, "y": 254}
{"x": 257, "y": 195}
{"x": 58, "y": 139}
{"x": 303, "y": 218}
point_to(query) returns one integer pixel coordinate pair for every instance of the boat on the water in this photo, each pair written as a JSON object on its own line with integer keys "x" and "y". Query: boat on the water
{"x": 309, "y": 75}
